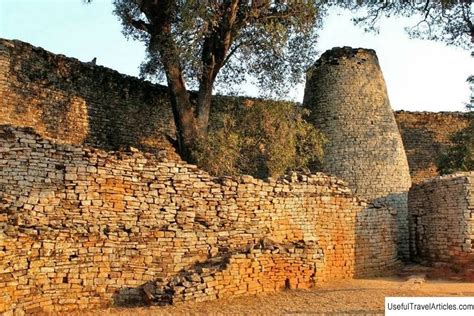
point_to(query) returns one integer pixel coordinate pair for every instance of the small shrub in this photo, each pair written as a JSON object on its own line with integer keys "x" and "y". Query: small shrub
{"x": 260, "y": 138}
{"x": 460, "y": 157}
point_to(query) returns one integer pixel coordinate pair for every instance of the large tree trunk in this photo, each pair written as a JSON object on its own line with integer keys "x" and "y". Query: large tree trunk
{"x": 214, "y": 52}
{"x": 204, "y": 103}
{"x": 191, "y": 118}
{"x": 183, "y": 109}
{"x": 185, "y": 121}
{"x": 191, "y": 121}
{"x": 160, "y": 14}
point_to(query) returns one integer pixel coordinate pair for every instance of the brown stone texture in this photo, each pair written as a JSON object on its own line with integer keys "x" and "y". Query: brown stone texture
{"x": 442, "y": 219}
{"x": 426, "y": 136}
{"x": 346, "y": 93}
{"x": 82, "y": 228}
{"x": 80, "y": 103}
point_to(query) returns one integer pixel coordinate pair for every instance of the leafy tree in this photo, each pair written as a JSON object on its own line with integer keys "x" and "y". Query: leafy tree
{"x": 470, "y": 80}
{"x": 449, "y": 21}
{"x": 198, "y": 43}
{"x": 260, "y": 138}
{"x": 460, "y": 157}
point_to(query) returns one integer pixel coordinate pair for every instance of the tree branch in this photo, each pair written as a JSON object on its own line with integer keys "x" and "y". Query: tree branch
{"x": 138, "y": 24}
{"x": 468, "y": 22}
{"x": 232, "y": 52}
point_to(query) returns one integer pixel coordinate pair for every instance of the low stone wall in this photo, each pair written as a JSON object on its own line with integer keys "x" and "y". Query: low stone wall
{"x": 442, "y": 219}
{"x": 83, "y": 228}
{"x": 427, "y": 135}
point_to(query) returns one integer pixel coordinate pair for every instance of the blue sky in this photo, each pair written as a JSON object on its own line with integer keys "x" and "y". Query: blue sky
{"x": 420, "y": 75}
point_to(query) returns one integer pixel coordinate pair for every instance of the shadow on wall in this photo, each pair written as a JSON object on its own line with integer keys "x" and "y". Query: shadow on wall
{"x": 263, "y": 267}
{"x": 377, "y": 238}
{"x": 81, "y": 103}
{"x": 422, "y": 149}
{"x": 397, "y": 204}
{"x": 269, "y": 266}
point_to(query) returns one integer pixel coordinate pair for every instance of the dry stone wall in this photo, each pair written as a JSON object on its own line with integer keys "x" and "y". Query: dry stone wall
{"x": 442, "y": 219}
{"x": 80, "y": 103}
{"x": 426, "y": 136}
{"x": 83, "y": 228}
{"x": 346, "y": 93}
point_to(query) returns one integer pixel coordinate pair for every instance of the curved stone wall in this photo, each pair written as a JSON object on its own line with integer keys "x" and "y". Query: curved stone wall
{"x": 346, "y": 93}
{"x": 82, "y": 228}
{"x": 442, "y": 220}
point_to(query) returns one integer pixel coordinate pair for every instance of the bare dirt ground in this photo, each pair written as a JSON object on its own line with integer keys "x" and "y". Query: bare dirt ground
{"x": 341, "y": 297}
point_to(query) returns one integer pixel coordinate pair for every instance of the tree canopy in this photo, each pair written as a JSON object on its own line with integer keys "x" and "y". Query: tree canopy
{"x": 270, "y": 40}
{"x": 262, "y": 138}
{"x": 448, "y": 21}
{"x": 199, "y": 43}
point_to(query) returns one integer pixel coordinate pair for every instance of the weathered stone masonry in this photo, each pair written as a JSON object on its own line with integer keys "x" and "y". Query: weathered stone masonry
{"x": 79, "y": 103}
{"x": 442, "y": 219}
{"x": 346, "y": 94}
{"x": 82, "y": 228}
{"x": 426, "y": 136}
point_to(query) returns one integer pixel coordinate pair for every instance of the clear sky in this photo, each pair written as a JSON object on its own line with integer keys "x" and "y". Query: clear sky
{"x": 420, "y": 75}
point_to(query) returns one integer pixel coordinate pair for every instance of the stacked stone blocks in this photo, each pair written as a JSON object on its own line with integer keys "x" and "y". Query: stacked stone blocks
{"x": 81, "y": 103}
{"x": 83, "y": 228}
{"x": 346, "y": 94}
{"x": 442, "y": 219}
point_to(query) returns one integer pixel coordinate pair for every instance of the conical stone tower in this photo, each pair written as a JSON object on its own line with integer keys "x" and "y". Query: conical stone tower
{"x": 346, "y": 94}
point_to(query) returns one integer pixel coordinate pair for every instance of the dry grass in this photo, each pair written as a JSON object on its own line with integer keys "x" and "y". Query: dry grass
{"x": 347, "y": 297}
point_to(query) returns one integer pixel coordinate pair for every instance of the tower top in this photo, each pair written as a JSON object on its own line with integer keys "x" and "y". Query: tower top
{"x": 335, "y": 55}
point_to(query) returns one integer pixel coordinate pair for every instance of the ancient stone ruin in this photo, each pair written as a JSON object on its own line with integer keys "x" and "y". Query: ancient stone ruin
{"x": 85, "y": 227}
{"x": 442, "y": 219}
{"x": 346, "y": 93}
{"x": 96, "y": 209}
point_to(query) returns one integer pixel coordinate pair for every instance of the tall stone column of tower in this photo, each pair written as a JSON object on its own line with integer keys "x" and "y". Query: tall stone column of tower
{"x": 346, "y": 94}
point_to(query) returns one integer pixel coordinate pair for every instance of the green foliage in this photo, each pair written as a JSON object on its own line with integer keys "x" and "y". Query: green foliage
{"x": 260, "y": 138}
{"x": 470, "y": 80}
{"x": 448, "y": 21}
{"x": 460, "y": 157}
{"x": 272, "y": 41}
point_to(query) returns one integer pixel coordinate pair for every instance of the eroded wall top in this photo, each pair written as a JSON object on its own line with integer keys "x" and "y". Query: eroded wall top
{"x": 427, "y": 135}
{"x": 80, "y": 103}
{"x": 82, "y": 228}
{"x": 75, "y": 102}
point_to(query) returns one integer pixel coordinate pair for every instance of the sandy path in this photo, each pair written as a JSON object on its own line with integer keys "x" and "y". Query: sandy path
{"x": 349, "y": 296}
